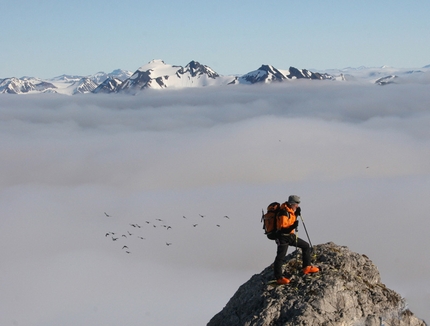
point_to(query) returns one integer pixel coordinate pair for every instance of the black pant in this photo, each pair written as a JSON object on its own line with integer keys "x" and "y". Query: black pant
{"x": 283, "y": 241}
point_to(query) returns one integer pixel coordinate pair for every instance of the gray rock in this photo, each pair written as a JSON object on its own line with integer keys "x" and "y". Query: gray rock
{"x": 347, "y": 291}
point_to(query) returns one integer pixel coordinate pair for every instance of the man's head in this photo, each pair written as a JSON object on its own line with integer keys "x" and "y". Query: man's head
{"x": 293, "y": 200}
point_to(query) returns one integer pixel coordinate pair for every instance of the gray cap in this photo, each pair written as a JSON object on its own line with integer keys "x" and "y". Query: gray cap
{"x": 293, "y": 199}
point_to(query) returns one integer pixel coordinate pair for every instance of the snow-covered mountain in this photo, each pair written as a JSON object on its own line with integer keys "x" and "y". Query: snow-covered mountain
{"x": 268, "y": 74}
{"x": 25, "y": 85}
{"x": 110, "y": 85}
{"x": 66, "y": 79}
{"x": 119, "y": 74}
{"x": 158, "y": 75}
{"x": 383, "y": 75}
{"x": 64, "y": 84}
{"x": 84, "y": 85}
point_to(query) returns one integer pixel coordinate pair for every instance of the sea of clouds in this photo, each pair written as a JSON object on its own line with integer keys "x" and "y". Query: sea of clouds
{"x": 358, "y": 155}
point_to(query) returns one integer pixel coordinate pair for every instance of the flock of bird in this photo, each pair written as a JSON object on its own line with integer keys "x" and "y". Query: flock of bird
{"x": 142, "y": 231}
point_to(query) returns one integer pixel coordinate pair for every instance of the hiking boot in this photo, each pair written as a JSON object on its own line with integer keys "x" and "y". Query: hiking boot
{"x": 310, "y": 269}
{"x": 282, "y": 280}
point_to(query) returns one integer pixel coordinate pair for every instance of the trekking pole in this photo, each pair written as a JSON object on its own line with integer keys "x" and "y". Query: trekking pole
{"x": 297, "y": 251}
{"x": 307, "y": 234}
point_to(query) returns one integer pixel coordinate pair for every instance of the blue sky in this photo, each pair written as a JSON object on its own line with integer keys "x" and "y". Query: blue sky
{"x": 49, "y": 38}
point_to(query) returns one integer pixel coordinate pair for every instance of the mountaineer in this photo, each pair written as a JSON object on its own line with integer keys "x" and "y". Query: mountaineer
{"x": 286, "y": 222}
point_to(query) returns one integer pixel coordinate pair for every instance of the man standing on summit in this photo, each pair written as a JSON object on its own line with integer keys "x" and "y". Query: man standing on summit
{"x": 286, "y": 223}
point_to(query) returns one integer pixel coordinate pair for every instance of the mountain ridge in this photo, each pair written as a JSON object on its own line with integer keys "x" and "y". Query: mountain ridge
{"x": 156, "y": 74}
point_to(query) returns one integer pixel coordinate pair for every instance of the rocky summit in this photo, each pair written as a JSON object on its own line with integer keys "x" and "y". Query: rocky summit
{"x": 347, "y": 291}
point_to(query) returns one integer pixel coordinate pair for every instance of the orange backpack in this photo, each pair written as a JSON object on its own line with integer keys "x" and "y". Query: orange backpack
{"x": 269, "y": 220}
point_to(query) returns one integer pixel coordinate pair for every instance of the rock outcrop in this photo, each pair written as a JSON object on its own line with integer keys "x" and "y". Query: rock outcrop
{"x": 347, "y": 291}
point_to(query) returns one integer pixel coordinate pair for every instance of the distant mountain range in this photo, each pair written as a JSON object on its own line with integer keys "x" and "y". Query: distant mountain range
{"x": 159, "y": 75}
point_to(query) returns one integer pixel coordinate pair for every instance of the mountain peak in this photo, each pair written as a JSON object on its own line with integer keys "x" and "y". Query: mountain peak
{"x": 264, "y": 74}
{"x": 195, "y": 68}
{"x": 153, "y": 64}
{"x": 347, "y": 291}
{"x": 109, "y": 85}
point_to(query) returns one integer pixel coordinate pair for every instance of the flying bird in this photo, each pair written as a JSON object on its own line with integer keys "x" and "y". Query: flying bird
{"x": 201, "y": 215}
{"x": 218, "y": 225}
{"x": 225, "y": 216}
{"x": 107, "y": 215}
{"x": 195, "y": 225}
{"x": 169, "y": 227}
{"x": 168, "y": 243}
{"x": 114, "y": 239}
{"x": 124, "y": 247}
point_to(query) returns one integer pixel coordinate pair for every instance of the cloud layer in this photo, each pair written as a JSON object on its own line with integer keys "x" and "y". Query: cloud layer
{"x": 356, "y": 154}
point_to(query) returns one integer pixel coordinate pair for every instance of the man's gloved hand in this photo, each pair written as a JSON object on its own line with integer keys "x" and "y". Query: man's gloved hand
{"x": 295, "y": 225}
{"x": 298, "y": 211}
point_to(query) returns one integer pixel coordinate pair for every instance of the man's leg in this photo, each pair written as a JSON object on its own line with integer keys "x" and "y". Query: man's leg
{"x": 280, "y": 255}
{"x": 306, "y": 251}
